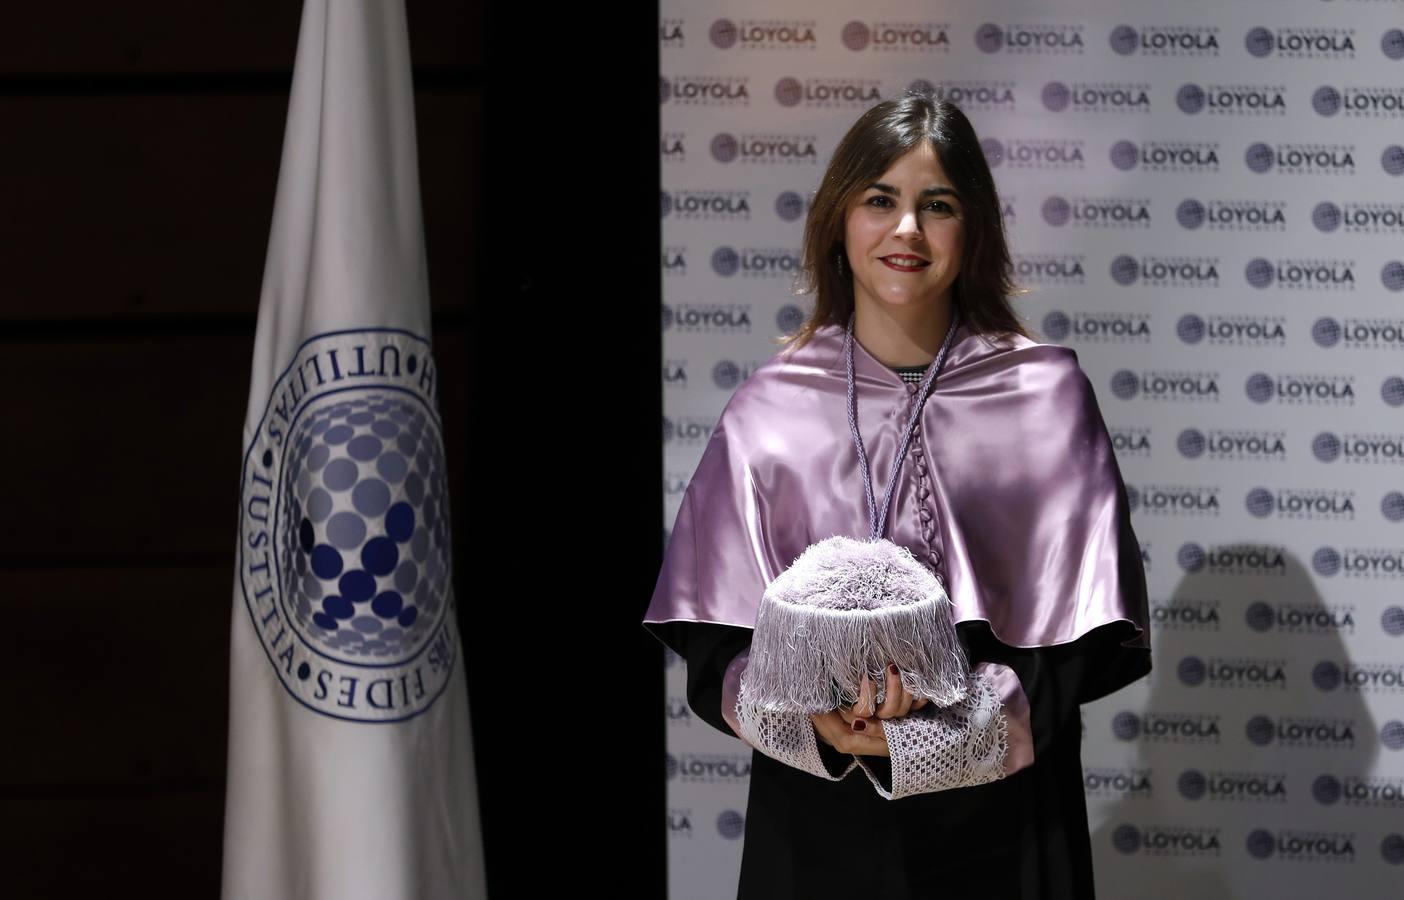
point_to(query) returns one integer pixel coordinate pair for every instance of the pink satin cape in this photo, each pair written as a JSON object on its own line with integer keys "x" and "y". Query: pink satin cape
{"x": 1011, "y": 492}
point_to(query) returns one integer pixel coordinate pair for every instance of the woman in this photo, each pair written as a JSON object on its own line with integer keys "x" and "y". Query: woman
{"x": 1008, "y": 491}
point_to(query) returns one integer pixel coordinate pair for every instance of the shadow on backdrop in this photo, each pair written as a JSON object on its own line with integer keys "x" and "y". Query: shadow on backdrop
{"x": 1285, "y": 728}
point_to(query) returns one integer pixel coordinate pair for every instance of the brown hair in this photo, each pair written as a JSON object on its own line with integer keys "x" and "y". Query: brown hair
{"x": 881, "y": 136}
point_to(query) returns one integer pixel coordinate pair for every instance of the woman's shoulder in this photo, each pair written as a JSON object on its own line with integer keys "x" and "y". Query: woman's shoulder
{"x": 1016, "y": 362}
{"x": 1017, "y": 398}
{"x": 793, "y": 392}
{"x": 770, "y": 395}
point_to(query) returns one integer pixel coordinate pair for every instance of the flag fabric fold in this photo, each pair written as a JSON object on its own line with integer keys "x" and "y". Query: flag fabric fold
{"x": 350, "y": 770}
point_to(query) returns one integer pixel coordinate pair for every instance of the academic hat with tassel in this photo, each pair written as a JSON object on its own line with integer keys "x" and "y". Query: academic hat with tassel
{"x": 845, "y": 608}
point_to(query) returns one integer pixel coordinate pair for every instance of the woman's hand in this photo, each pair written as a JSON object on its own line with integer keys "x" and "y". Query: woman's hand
{"x": 858, "y": 729}
{"x": 897, "y": 702}
{"x": 833, "y": 730}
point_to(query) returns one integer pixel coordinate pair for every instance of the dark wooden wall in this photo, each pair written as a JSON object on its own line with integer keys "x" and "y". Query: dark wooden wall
{"x": 138, "y": 168}
{"x": 138, "y": 164}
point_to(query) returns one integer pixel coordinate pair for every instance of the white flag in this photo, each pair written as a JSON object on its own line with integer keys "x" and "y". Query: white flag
{"x": 350, "y": 765}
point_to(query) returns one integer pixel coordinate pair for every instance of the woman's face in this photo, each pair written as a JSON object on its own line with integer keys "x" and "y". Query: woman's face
{"x": 903, "y": 233}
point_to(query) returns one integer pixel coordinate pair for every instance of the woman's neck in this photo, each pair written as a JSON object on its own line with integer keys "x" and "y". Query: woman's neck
{"x": 901, "y": 335}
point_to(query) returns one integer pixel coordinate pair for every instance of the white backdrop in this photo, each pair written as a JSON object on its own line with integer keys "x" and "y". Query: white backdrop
{"x": 1207, "y": 203}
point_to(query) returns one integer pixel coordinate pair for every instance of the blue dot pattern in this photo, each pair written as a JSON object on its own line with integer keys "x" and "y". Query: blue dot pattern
{"x": 363, "y": 526}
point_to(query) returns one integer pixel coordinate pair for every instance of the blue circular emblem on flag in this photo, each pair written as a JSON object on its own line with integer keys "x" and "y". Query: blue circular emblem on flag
{"x": 344, "y": 540}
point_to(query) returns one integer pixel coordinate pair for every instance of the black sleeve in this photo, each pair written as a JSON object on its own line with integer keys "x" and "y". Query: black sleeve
{"x": 1052, "y": 679}
{"x": 708, "y": 649}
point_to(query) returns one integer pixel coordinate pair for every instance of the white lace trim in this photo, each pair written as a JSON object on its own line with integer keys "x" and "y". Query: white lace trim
{"x": 787, "y": 737}
{"x": 935, "y": 749}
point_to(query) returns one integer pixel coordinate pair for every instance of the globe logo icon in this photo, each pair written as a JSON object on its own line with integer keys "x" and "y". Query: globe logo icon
{"x": 789, "y": 318}
{"x": 1125, "y": 270}
{"x": 725, "y": 262}
{"x": 724, "y": 147}
{"x": 1258, "y": 157}
{"x": 665, "y": 89}
{"x": 670, "y": 766}
{"x": 1392, "y": 160}
{"x": 1326, "y": 675}
{"x": 922, "y": 86}
{"x": 667, "y": 317}
{"x": 1126, "y": 839}
{"x": 1392, "y": 43}
{"x": 1326, "y": 216}
{"x": 1055, "y": 96}
{"x": 1126, "y": 726}
{"x": 1259, "y": 843}
{"x": 1191, "y": 557}
{"x": 1191, "y": 671}
{"x": 789, "y": 206}
{"x": 1392, "y": 275}
{"x": 1392, "y": 391}
{"x": 726, "y": 374}
{"x": 1123, "y": 40}
{"x": 1124, "y": 384}
{"x": 1259, "y": 731}
{"x": 788, "y": 91}
{"x": 1190, "y": 99}
{"x": 1056, "y": 325}
{"x": 1258, "y": 41}
{"x": 1259, "y": 502}
{"x": 1056, "y": 211}
{"x": 1326, "y": 100}
{"x": 1326, "y": 447}
{"x": 989, "y": 37}
{"x": 1192, "y": 784}
{"x": 1259, "y": 387}
{"x": 1326, "y": 789}
{"x": 731, "y": 824}
{"x": 993, "y": 149}
{"x": 1190, "y": 214}
{"x": 1326, "y": 561}
{"x": 1190, "y": 328}
{"x": 669, "y": 430}
{"x": 1258, "y": 615}
{"x": 1133, "y": 497}
{"x": 364, "y": 526}
{"x": 1392, "y": 849}
{"x": 723, "y": 34}
{"x": 665, "y": 204}
{"x": 1259, "y": 272}
{"x": 1392, "y": 735}
{"x": 1392, "y": 506}
{"x": 1124, "y": 155}
{"x": 1191, "y": 443}
{"x": 1392, "y": 621}
{"x": 856, "y": 35}
{"x": 1326, "y": 331}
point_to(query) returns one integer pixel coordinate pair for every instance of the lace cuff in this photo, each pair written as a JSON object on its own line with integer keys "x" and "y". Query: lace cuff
{"x": 786, "y": 737}
{"x": 969, "y": 743}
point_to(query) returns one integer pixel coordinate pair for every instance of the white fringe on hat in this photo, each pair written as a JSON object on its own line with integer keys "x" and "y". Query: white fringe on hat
{"x": 845, "y": 608}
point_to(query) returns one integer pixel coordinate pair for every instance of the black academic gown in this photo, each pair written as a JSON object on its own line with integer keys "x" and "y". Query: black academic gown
{"x": 1020, "y": 838}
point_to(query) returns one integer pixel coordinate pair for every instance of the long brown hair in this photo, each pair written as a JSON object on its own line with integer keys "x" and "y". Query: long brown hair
{"x": 881, "y": 136}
